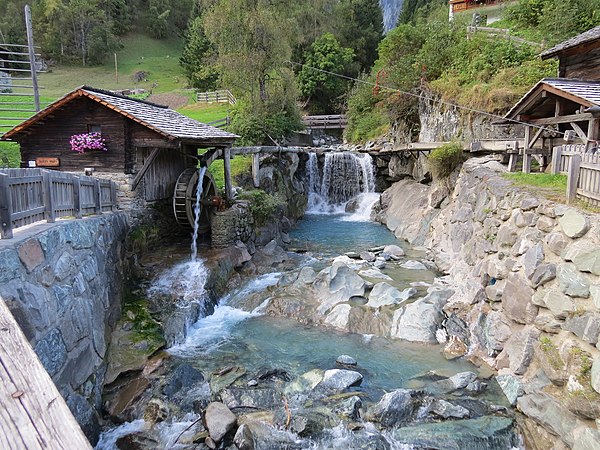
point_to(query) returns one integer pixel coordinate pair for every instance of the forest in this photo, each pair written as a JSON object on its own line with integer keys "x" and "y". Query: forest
{"x": 279, "y": 57}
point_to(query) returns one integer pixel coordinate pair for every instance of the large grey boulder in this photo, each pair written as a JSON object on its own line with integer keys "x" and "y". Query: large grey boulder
{"x": 587, "y": 439}
{"x": 337, "y": 284}
{"x": 557, "y": 242}
{"x": 520, "y": 349}
{"x": 516, "y": 300}
{"x": 419, "y": 321}
{"x": 339, "y": 316}
{"x": 394, "y": 408}
{"x": 588, "y": 260}
{"x": 218, "y": 420}
{"x": 557, "y": 302}
{"x": 496, "y": 331}
{"x": 394, "y": 251}
{"x": 596, "y": 374}
{"x": 548, "y": 413}
{"x": 511, "y": 387}
{"x": 574, "y": 224}
{"x": 571, "y": 282}
{"x": 256, "y": 435}
{"x": 385, "y": 294}
{"x": 337, "y": 380}
{"x": 447, "y": 410}
{"x": 585, "y": 326}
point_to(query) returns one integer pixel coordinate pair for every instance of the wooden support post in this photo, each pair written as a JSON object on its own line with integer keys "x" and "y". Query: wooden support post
{"x": 113, "y": 196}
{"x": 97, "y": 197}
{"x": 227, "y": 173}
{"x": 556, "y": 159}
{"x": 256, "y": 169}
{"x": 513, "y": 158}
{"x": 593, "y": 133}
{"x": 573, "y": 177}
{"x": 77, "y": 197}
{"x": 526, "y": 155}
{"x": 48, "y": 196}
{"x": 5, "y": 208}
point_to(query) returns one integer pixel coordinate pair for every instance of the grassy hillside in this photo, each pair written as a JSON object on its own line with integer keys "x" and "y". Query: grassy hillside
{"x": 159, "y": 59}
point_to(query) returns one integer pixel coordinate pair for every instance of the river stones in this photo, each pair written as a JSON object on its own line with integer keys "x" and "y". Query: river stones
{"x": 218, "y": 420}
{"x": 448, "y": 410}
{"x": 258, "y": 435}
{"x": 394, "y": 408}
{"x": 346, "y": 360}
{"x": 385, "y": 294}
{"x": 337, "y": 380}
{"x": 394, "y": 251}
{"x": 184, "y": 376}
{"x": 413, "y": 265}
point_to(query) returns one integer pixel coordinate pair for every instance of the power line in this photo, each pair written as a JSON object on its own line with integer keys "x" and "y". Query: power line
{"x": 425, "y": 97}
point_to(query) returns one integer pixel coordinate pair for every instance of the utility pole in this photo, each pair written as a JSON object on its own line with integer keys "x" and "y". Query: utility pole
{"x": 116, "y": 69}
{"x": 36, "y": 92}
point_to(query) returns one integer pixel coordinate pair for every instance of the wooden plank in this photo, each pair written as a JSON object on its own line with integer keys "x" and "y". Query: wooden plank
{"x": 227, "y": 173}
{"x": 144, "y": 169}
{"x": 256, "y": 170}
{"x": 5, "y": 208}
{"x": 48, "y": 197}
{"x": 561, "y": 119}
{"x": 97, "y": 197}
{"x": 573, "y": 178}
{"x": 77, "y": 197}
{"x": 556, "y": 157}
{"x": 33, "y": 414}
{"x": 527, "y": 156}
{"x": 155, "y": 143}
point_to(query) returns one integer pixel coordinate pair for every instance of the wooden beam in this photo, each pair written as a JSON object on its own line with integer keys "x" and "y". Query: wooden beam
{"x": 526, "y": 156}
{"x": 210, "y": 156}
{"x": 567, "y": 95}
{"x": 562, "y": 119}
{"x": 256, "y": 169}
{"x": 161, "y": 143}
{"x": 573, "y": 177}
{"x": 537, "y": 135}
{"x": 579, "y": 132}
{"x": 144, "y": 168}
{"x": 227, "y": 173}
{"x": 34, "y": 414}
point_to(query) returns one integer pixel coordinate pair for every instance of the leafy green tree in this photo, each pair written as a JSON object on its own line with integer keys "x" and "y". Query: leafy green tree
{"x": 196, "y": 58}
{"x": 324, "y": 88}
{"x": 158, "y": 17}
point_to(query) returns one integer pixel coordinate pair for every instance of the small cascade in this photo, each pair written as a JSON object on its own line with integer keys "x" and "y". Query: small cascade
{"x": 345, "y": 177}
{"x": 197, "y": 210}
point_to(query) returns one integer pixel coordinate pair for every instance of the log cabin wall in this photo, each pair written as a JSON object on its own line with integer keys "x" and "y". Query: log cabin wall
{"x": 51, "y": 139}
{"x": 159, "y": 181}
{"x": 581, "y": 66}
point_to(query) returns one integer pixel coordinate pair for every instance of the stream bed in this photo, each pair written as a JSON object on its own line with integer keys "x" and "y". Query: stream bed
{"x": 294, "y": 386}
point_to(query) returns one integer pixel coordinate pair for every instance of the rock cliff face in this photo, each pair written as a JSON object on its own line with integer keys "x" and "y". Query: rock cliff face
{"x": 64, "y": 286}
{"x": 526, "y": 278}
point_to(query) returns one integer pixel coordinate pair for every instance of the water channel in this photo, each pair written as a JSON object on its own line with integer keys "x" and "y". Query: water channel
{"x": 240, "y": 335}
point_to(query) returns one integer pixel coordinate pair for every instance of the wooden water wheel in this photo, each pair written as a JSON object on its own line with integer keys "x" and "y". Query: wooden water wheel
{"x": 184, "y": 199}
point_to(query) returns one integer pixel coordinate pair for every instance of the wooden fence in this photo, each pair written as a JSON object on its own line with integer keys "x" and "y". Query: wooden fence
{"x": 222, "y": 96}
{"x": 502, "y": 33}
{"x": 32, "y": 195}
{"x": 582, "y": 169}
{"x": 338, "y": 121}
{"x": 220, "y": 123}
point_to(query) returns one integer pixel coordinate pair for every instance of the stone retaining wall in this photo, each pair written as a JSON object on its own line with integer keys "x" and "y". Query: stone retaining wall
{"x": 526, "y": 275}
{"x": 64, "y": 286}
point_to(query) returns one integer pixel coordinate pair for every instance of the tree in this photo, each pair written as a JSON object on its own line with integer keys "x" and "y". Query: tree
{"x": 196, "y": 58}
{"x": 327, "y": 55}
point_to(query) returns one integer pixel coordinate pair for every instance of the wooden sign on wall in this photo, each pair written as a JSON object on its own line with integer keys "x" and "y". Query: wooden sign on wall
{"x": 47, "y": 162}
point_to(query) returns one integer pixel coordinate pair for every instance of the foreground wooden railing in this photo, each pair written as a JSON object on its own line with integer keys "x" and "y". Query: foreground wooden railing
{"x": 222, "y": 96}
{"x": 32, "y": 195}
{"x": 582, "y": 168}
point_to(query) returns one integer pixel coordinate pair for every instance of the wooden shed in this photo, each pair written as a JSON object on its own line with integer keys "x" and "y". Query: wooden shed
{"x": 578, "y": 57}
{"x": 148, "y": 144}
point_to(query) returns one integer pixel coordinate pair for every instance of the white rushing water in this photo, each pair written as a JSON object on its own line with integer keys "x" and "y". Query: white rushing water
{"x": 210, "y": 331}
{"x": 345, "y": 177}
{"x": 186, "y": 279}
{"x": 197, "y": 210}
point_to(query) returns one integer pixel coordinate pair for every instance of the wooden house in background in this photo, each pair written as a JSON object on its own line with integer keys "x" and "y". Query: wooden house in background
{"x": 564, "y": 109}
{"x": 147, "y": 145}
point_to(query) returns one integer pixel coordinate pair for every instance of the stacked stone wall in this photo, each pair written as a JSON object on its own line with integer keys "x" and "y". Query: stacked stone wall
{"x": 64, "y": 287}
{"x": 526, "y": 275}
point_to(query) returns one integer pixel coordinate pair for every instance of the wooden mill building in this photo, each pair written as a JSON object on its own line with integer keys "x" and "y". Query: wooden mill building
{"x": 566, "y": 108}
{"x": 147, "y": 146}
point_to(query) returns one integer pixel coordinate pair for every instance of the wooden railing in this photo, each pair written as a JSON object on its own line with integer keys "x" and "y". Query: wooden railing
{"x": 32, "y": 195}
{"x": 582, "y": 168}
{"x": 325, "y": 122}
{"x": 502, "y": 33}
{"x": 222, "y": 96}
{"x": 220, "y": 123}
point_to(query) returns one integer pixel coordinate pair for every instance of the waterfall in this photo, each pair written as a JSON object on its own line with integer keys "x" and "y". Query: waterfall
{"x": 344, "y": 177}
{"x": 197, "y": 210}
{"x": 391, "y": 11}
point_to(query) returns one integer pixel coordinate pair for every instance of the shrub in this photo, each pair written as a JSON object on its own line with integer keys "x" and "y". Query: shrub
{"x": 443, "y": 160}
{"x": 263, "y": 206}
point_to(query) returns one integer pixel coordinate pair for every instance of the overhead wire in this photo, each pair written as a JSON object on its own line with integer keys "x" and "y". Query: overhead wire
{"x": 425, "y": 97}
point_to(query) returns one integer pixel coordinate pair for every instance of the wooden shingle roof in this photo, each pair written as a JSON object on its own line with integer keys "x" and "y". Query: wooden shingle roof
{"x": 585, "y": 93}
{"x": 171, "y": 124}
{"x": 583, "y": 38}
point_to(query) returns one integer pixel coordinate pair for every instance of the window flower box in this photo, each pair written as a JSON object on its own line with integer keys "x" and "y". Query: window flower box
{"x": 81, "y": 143}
